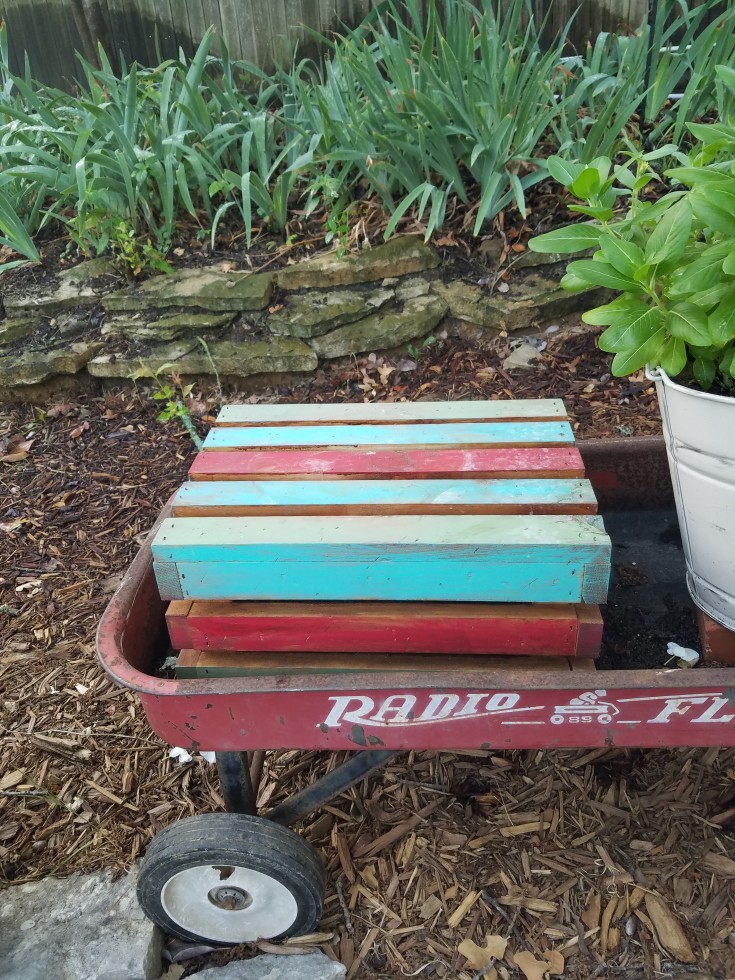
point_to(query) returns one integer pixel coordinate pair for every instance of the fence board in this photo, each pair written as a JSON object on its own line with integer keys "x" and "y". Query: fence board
{"x": 257, "y": 30}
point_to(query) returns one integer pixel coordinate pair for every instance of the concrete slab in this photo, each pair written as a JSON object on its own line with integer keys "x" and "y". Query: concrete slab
{"x": 85, "y": 927}
{"x": 310, "y": 966}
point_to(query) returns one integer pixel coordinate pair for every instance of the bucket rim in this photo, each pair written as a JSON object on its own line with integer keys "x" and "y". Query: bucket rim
{"x": 660, "y": 376}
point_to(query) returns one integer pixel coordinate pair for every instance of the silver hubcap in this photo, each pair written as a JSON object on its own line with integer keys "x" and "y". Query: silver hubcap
{"x": 228, "y": 904}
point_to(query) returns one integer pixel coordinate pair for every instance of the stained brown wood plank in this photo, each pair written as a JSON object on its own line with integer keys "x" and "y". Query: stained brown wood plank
{"x": 198, "y": 663}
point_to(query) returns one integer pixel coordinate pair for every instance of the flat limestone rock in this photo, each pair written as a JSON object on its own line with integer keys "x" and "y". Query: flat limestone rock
{"x": 383, "y": 330}
{"x": 402, "y": 256}
{"x": 207, "y": 289}
{"x": 168, "y": 327}
{"x": 529, "y": 304}
{"x": 17, "y": 328}
{"x": 316, "y": 312}
{"x": 32, "y": 367}
{"x": 280, "y": 355}
{"x": 112, "y": 365}
{"x": 311, "y": 966}
{"x": 82, "y": 285}
{"x": 85, "y": 927}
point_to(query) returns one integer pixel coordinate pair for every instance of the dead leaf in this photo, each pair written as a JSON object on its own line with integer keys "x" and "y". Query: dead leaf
{"x": 13, "y": 457}
{"x": 668, "y": 930}
{"x": 228, "y": 266}
{"x": 551, "y": 965}
{"x": 76, "y": 433}
{"x": 20, "y": 444}
{"x": 179, "y": 252}
{"x": 591, "y": 915}
{"x": 480, "y": 956}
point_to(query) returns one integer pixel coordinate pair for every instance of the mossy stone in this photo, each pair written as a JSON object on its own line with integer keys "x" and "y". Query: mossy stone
{"x": 316, "y": 312}
{"x": 401, "y": 256}
{"x": 383, "y": 330}
{"x": 32, "y": 367}
{"x": 17, "y": 328}
{"x": 207, "y": 289}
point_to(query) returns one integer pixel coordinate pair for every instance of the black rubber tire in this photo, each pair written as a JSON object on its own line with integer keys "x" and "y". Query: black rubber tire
{"x": 239, "y": 840}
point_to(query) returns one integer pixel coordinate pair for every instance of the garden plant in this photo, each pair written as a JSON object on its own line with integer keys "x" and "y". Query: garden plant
{"x": 447, "y": 114}
{"x": 672, "y": 259}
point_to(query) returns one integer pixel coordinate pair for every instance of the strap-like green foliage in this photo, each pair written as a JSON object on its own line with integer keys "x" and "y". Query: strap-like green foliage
{"x": 426, "y": 107}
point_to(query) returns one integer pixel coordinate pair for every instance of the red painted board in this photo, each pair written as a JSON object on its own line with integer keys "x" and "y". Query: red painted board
{"x": 562, "y": 461}
{"x": 387, "y": 627}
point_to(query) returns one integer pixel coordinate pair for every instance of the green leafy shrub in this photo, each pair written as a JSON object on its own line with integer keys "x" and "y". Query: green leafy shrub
{"x": 672, "y": 261}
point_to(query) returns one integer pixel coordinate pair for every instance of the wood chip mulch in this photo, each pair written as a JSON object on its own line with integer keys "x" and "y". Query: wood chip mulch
{"x": 586, "y": 863}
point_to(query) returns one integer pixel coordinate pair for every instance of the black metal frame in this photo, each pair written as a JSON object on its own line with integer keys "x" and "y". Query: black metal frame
{"x": 239, "y": 775}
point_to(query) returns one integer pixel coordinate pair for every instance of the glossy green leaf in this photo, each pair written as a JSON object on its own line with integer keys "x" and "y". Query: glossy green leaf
{"x": 701, "y": 273}
{"x": 714, "y": 206}
{"x": 669, "y": 238}
{"x": 566, "y": 240}
{"x": 618, "y": 310}
{"x": 722, "y": 321}
{"x": 634, "y": 358}
{"x": 564, "y": 171}
{"x": 602, "y": 274}
{"x": 625, "y": 257}
{"x": 573, "y": 284}
{"x": 587, "y": 184}
{"x": 704, "y": 372}
{"x": 631, "y": 333}
{"x": 688, "y": 322}
{"x": 672, "y": 356}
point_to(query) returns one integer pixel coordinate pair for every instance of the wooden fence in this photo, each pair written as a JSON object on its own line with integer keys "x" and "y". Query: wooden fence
{"x": 262, "y": 31}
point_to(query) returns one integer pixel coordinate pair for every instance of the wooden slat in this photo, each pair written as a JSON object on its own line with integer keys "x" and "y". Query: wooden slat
{"x": 530, "y": 629}
{"x": 310, "y": 497}
{"x": 382, "y": 436}
{"x": 222, "y": 663}
{"x": 412, "y": 464}
{"x": 392, "y": 413}
{"x": 497, "y": 558}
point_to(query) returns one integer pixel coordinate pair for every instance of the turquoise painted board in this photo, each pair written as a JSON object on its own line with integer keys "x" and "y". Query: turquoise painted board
{"x": 419, "y": 434}
{"x": 541, "y": 408}
{"x": 523, "y": 494}
{"x": 223, "y": 537}
{"x": 385, "y": 577}
{"x": 498, "y": 558}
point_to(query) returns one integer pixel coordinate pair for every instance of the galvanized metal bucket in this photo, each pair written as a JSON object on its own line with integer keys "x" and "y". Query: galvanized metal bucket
{"x": 699, "y": 429}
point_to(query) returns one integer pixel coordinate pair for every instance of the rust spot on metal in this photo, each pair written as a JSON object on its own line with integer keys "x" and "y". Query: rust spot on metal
{"x": 358, "y": 735}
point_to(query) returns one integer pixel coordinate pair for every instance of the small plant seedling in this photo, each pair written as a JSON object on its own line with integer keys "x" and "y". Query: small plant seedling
{"x": 416, "y": 352}
{"x": 173, "y": 395}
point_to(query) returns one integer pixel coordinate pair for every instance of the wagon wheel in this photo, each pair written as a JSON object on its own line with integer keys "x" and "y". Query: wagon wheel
{"x": 228, "y": 878}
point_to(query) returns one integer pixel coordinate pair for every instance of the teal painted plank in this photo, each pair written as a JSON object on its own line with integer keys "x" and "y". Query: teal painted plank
{"x": 381, "y": 493}
{"x": 419, "y": 434}
{"x": 537, "y": 408}
{"x": 228, "y": 536}
{"x": 446, "y": 578}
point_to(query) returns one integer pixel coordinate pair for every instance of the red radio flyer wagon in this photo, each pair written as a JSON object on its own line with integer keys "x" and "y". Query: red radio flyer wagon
{"x": 239, "y": 876}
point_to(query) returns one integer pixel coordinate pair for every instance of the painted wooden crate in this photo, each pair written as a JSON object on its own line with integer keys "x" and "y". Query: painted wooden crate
{"x": 411, "y": 527}
{"x": 323, "y": 536}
